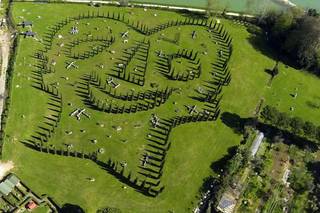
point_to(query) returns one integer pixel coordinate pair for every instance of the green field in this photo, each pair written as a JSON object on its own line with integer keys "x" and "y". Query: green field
{"x": 194, "y": 146}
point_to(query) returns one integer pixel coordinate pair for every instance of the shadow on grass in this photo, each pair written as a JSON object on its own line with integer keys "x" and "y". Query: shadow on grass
{"x": 128, "y": 180}
{"x": 71, "y": 208}
{"x": 233, "y": 121}
{"x": 220, "y": 164}
{"x": 271, "y": 50}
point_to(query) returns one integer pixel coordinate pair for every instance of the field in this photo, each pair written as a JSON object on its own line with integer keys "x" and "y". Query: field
{"x": 116, "y": 156}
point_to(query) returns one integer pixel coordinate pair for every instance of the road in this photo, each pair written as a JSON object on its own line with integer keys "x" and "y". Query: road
{"x": 5, "y": 53}
{"x": 157, "y": 6}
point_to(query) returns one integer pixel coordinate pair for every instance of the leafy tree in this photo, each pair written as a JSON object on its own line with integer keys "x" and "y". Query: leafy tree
{"x": 303, "y": 42}
{"x": 313, "y": 12}
{"x": 283, "y": 120}
{"x": 270, "y": 114}
{"x": 296, "y": 125}
{"x": 283, "y": 22}
{"x": 297, "y": 33}
{"x": 309, "y": 129}
{"x": 301, "y": 180}
{"x": 318, "y": 134}
{"x": 258, "y": 164}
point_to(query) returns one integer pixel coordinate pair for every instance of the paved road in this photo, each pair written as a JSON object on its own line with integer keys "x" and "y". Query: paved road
{"x": 156, "y": 6}
{"x": 5, "y": 52}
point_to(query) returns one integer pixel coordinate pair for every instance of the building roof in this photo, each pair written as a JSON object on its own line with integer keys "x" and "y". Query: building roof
{"x": 11, "y": 185}
{"x": 8, "y": 184}
{"x": 31, "y": 205}
{"x": 5, "y": 188}
{"x": 13, "y": 179}
{"x": 256, "y": 144}
{"x": 226, "y": 204}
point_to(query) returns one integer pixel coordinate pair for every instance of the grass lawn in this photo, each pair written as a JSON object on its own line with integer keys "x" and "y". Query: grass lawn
{"x": 194, "y": 146}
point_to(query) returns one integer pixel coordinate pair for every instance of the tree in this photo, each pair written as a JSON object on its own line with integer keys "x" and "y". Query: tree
{"x": 318, "y": 133}
{"x": 309, "y": 129}
{"x": 296, "y": 125}
{"x": 303, "y": 42}
{"x": 270, "y": 114}
{"x": 282, "y": 24}
{"x": 297, "y": 33}
{"x": 301, "y": 180}
{"x": 258, "y": 164}
{"x": 283, "y": 120}
{"x": 313, "y": 12}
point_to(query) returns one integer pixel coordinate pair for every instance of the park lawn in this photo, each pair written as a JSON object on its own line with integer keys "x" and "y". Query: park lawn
{"x": 290, "y": 81}
{"x": 191, "y": 154}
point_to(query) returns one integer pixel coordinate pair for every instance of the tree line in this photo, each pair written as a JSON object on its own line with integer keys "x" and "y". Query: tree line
{"x": 293, "y": 124}
{"x": 296, "y": 33}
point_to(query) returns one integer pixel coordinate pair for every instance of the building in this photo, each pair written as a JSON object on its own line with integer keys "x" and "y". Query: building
{"x": 227, "y": 203}
{"x": 8, "y": 185}
{"x": 256, "y": 144}
{"x": 31, "y": 205}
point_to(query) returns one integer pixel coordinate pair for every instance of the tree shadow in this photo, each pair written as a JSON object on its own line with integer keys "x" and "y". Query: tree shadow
{"x": 234, "y": 121}
{"x": 216, "y": 166}
{"x": 289, "y": 138}
{"x": 271, "y": 50}
{"x": 314, "y": 167}
{"x": 259, "y": 43}
{"x": 71, "y": 208}
{"x": 313, "y": 105}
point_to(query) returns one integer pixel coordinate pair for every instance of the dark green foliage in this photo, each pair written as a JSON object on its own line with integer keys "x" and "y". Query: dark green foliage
{"x": 297, "y": 34}
{"x": 295, "y": 125}
{"x": 313, "y": 12}
{"x": 318, "y": 133}
{"x": 270, "y": 114}
{"x": 309, "y": 129}
{"x": 258, "y": 164}
{"x": 301, "y": 180}
{"x": 283, "y": 120}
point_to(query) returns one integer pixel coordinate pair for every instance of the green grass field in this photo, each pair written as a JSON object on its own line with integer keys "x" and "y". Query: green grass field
{"x": 194, "y": 146}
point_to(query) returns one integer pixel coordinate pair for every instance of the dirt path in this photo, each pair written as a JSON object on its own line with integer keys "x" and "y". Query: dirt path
{"x": 5, "y": 52}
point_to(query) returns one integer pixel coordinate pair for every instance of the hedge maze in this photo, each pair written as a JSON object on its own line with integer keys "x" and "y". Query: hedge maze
{"x": 132, "y": 66}
{"x": 167, "y": 68}
{"x": 102, "y": 44}
{"x": 117, "y": 88}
